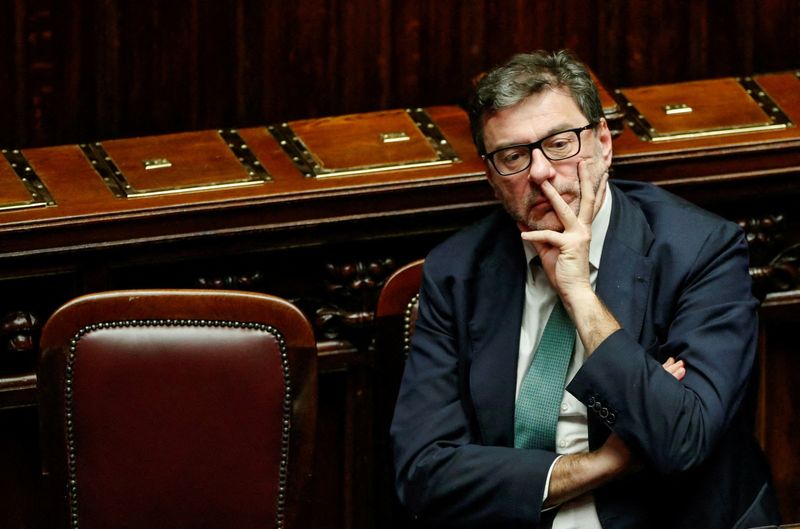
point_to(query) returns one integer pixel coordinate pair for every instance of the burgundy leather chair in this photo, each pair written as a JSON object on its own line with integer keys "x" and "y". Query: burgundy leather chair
{"x": 177, "y": 409}
{"x": 395, "y": 317}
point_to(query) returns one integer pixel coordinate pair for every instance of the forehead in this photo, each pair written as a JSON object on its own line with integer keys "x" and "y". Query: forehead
{"x": 534, "y": 117}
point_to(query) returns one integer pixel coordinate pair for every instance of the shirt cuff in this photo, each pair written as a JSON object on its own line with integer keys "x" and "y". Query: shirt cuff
{"x": 547, "y": 484}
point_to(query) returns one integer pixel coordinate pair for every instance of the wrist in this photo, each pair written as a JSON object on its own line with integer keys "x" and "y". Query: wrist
{"x": 577, "y": 474}
{"x": 593, "y": 321}
{"x": 578, "y": 298}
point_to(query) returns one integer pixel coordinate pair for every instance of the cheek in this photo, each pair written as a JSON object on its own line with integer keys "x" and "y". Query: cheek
{"x": 503, "y": 189}
{"x": 516, "y": 194}
{"x": 518, "y": 187}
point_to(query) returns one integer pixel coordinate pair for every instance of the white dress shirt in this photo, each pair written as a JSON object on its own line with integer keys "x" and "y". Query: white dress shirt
{"x": 572, "y": 431}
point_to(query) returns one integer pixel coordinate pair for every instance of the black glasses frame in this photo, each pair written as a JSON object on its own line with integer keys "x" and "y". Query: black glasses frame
{"x": 537, "y": 145}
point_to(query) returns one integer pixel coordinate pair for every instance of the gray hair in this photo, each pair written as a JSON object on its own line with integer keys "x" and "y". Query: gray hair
{"x": 527, "y": 74}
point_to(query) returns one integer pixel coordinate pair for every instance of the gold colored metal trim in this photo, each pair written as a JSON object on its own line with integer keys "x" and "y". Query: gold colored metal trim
{"x": 305, "y": 163}
{"x": 642, "y": 127}
{"x": 158, "y": 163}
{"x": 40, "y": 195}
{"x": 121, "y": 188}
{"x": 394, "y": 137}
{"x": 255, "y": 170}
{"x": 107, "y": 169}
{"x": 763, "y": 99}
{"x": 679, "y": 108}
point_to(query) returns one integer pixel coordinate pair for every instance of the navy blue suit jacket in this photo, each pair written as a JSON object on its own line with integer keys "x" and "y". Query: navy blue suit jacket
{"x": 676, "y": 278}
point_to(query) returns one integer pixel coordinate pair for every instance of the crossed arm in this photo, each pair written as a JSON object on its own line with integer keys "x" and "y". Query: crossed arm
{"x": 578, "y": 474}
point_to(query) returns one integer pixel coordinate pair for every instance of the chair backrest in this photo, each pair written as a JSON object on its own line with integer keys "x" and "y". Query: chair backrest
{"x": 398, "y": 301}
{"x": 169, "y": 408}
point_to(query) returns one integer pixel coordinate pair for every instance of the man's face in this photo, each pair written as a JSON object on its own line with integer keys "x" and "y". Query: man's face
{"x": 532, "y": 119}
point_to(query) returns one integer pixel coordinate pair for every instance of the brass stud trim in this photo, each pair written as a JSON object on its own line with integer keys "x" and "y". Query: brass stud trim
{"x": 407, "y": 324}
{"x": 40, "y": 195}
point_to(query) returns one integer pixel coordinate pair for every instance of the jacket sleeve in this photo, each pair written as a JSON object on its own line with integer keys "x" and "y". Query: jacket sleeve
{"x": 444, "y": 474}
{"x": 710, "y": 322}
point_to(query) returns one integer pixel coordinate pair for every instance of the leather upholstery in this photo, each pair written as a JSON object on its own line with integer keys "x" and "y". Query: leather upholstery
{"x": 399, "y": 298}
{"x": 177, "y": 409}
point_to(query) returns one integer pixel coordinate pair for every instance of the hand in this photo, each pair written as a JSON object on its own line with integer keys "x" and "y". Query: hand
{"x": 676, "y": 369}
{"x": 565, "y": 255}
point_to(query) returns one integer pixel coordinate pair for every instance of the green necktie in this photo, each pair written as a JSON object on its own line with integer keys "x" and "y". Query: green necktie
{"x": 539, "y": 401}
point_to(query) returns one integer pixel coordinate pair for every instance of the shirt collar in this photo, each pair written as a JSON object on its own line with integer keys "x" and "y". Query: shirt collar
{"x": 599, "y": 229}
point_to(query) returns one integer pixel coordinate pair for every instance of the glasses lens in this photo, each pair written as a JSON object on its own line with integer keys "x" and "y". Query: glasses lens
{"x": 559, "y": 146}
{"x": 562, "y": 145}
{"x": 512, "y": 160}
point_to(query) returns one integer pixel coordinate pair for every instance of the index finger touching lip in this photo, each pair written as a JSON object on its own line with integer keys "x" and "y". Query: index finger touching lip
{"x": 562, "y": 210}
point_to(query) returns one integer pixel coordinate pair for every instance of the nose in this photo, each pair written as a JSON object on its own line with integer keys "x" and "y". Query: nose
{"x": 541, "y": 169}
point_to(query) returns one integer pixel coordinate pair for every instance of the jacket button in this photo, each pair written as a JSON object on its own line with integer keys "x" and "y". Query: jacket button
{"x": 611, "y": 418}
{"x": 598, "y": 405}
{"x": 590, "y": 402}
{"x": 604, "y": 413}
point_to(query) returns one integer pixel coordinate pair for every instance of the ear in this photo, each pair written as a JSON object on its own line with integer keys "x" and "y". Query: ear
{"x": 604, "y": 137}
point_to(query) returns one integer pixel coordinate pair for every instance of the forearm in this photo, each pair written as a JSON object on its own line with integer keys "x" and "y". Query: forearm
{"x": 574, "y": 475}
{"x": 674, "y": 426}
{"x": 593, "y": 321}
{"x": 475, "y": 486}
{"x": 577, "y": 474}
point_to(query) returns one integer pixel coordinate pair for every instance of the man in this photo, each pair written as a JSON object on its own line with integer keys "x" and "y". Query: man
{"x": 654, "y": 424}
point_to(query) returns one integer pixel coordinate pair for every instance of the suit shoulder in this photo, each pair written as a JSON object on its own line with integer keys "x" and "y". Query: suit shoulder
{"x": 464, "y": 247}
{"x": 669, "y": 213}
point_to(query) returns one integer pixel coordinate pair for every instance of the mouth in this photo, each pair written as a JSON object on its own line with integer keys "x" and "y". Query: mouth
{"x": 541, "y": 205}
{"x": 541, "y": 202}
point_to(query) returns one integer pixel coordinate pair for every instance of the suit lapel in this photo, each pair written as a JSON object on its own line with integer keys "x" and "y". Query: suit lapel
{"x": 623, "y": 282}
{"x": 494, "y": 332}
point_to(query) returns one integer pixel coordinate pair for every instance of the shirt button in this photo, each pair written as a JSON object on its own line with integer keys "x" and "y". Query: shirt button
{"x": 564, "y": 406}
{"x": 562, "y": 444}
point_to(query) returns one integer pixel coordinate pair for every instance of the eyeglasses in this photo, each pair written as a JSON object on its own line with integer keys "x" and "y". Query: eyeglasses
{"x": 517, "y": 158}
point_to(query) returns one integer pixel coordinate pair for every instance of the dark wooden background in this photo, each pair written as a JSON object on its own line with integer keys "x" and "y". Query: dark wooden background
{"x": 80, "y": 70}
